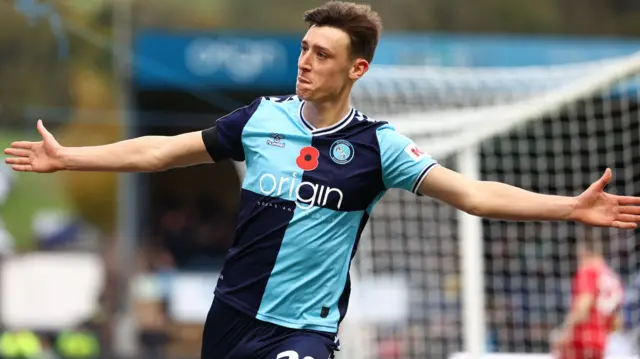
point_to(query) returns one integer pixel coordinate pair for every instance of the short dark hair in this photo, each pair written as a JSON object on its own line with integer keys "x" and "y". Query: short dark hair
{"x": 362, "y": 24}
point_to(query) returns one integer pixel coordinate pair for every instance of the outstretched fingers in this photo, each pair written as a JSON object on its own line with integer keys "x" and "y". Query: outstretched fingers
{"x": 18, "y": 152}
{"x": 20, "y": 156}
{"x": 27, "y": 145}
{"x": 22, "y": 168}
{"x": 624, "y": 225}
{"x": 630, "y": 218}
{"x": 17, "y": 161}
{"x": 20, "y": 160}
{"x": 628, "y": 200}
{"x": 629, "y": 209}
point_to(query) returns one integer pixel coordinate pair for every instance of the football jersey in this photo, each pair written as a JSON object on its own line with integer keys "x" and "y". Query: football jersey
{"x": 605, "y": 286}
{"x": 306, "y": 197}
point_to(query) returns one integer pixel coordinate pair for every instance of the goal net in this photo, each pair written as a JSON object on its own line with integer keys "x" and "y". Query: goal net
{"x": 548, "y": 129}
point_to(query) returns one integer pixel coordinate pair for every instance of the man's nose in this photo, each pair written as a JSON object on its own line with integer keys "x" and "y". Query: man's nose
{"x": 303, "y": 62}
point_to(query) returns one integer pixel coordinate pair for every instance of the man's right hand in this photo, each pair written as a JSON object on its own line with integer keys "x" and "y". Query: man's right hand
{"x": 42, "y": 157}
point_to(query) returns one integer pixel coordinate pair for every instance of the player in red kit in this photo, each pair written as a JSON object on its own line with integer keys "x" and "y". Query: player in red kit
{"x": 597, "y": 295}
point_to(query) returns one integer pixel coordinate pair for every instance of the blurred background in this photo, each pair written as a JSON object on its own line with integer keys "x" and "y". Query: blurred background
{"x": 541, "y": 94}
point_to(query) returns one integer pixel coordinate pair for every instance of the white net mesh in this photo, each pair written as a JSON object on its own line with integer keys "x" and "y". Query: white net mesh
{"x": 546, "y": 129}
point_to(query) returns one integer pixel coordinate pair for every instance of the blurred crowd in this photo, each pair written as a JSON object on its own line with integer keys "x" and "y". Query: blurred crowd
{"x": 187, "y": 237}
{"x": 194, "y": 233}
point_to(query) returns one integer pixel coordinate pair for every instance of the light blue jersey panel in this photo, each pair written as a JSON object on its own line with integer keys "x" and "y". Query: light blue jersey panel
{"x": 312, "y": 264}
{"x": 375, "y": 201}
{"x": 271, "y": 165}
{"x": 311, "y": 269}
{"x": 404, "y": 164}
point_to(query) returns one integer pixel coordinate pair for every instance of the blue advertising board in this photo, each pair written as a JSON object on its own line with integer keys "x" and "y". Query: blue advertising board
{"x": 238, "y": 61}
{"x": 215, "y": 60}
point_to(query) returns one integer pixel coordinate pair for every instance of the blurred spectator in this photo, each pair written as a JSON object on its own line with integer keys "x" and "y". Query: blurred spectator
{"x": 149, "y": 300}
{"x": 632, "y": 303}
{"x": 196, "y": 233}
{"x": 58, "y": 230}
{"x": 390, "y": 348}
{"x": 7, "y": 180}
{"x": 631, "y": 311}
{"x": 7, "y": 242}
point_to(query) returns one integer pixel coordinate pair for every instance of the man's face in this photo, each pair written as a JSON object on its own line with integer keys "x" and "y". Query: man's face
{"x": 581, "y": 253}
{"x": 325, "y": 66}
{"x": 584, "y": 253}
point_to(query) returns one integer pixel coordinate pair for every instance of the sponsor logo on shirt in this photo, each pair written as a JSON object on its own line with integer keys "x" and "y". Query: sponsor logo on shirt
{"x": 304, "y": 193}
{"x": 276, "y": 140}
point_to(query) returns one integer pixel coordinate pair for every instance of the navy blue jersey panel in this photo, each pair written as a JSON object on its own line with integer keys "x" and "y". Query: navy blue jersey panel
{"x": 343, "y": 302}
{"x": 224, "y": 140}
{"x": 348, "y": 175}
{"x": 262, "y": 222}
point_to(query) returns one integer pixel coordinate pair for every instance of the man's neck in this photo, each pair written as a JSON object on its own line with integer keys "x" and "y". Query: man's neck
{"x": 591, "y": 260}
{"x": 326, "y": 114}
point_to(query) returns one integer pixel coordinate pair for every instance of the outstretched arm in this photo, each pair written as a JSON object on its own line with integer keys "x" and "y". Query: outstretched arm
{"x": 579, "y": 313}
{"x": 143, "y": 154}
{"x": 501, "y": 201}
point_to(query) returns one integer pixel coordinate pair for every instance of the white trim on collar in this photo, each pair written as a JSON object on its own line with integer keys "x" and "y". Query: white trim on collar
{"x": 327, "y": 130}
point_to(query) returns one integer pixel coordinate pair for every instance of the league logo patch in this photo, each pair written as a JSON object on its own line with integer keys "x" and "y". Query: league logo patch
{"x": 341, "y": 152}
{"x": 415, "y": 152}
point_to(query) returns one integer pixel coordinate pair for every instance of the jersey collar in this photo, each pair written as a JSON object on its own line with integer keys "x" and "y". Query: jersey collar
{"x": 326, "y": 130}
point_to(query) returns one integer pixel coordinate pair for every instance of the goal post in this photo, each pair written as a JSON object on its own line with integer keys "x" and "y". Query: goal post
{"x": 470, "y": 242}
{"x": 552, "y": 129}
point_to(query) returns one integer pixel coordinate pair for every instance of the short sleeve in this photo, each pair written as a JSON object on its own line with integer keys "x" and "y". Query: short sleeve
{"x": 404, "y": 164}
{"x": 586, "y": 282}
{"x": 224, "y": 139}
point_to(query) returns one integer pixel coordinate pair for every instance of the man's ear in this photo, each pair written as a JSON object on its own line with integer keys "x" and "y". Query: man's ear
{"x": 358, "y": 69}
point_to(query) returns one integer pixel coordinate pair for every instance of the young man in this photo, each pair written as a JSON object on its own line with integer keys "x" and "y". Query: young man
{"x": 315, "y": 169}
{"x": 597, "y": 296}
